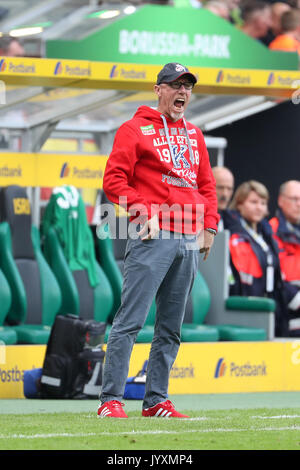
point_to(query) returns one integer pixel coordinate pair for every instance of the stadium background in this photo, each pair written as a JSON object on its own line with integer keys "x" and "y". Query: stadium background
{"x": 62, "y": 103}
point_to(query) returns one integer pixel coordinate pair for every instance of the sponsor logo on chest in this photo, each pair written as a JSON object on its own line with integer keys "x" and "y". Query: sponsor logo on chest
{"x": 148, "y": 130}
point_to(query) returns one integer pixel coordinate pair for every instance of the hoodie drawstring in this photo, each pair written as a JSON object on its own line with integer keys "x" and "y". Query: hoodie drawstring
{"x": 169, "y": 141}
{"x": 189, "y": 143}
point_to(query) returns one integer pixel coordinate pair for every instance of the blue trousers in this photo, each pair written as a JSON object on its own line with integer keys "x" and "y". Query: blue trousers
{"x": 164, "y": 269}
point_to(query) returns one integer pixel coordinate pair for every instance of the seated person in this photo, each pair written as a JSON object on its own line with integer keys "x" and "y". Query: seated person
{"x": 256, "y": 16}
{"x": 286, "y": 228}
{"x": 277, "y": 10}
{"x": 224, "y": 189}
{"x": 253, "y": 250}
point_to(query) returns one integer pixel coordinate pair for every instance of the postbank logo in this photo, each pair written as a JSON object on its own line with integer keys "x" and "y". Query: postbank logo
{"x": 220, "y": 76}
{"x": 232, "y": 78}
{"x": 65, "y": 170}
{"x": 13, "y": 66}
{"x": 80, "y": 173}
{"x": 220, "y": 368}
{"x": 129, "y": 73}
{"x": 113, "y": 72}
{"x": 71, "y": 69}
{"x": 2, "y": 65}
{"x": 280, "y": 79}
{"x": 271, "y": 78}
{"x": 240, "y": 370}
{"x": 58, "y": 68}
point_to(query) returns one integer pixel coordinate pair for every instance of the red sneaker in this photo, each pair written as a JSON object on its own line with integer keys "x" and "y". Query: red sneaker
{"x": 163, "y": 410}
{"x": 112, "y": 409}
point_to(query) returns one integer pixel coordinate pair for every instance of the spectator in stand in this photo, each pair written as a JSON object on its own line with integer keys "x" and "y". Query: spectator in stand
{"x": 277, "y": 10}
{"x": 254, "y": 252}
{"x": 11, "y": 47}
{"x": 289, "y": 40}
{"x": 256, "y": 16}
{"x": 224, "y": 187}
{"x": 286, "y": 228}
{"x": 218, "y": 8}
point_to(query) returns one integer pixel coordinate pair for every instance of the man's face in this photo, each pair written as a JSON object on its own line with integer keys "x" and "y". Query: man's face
{"x": 263, "y": 21}
{"x": 224, "y": 187}
{"x": 289, "y": 202}
{"x": 174, "y": 97}
{"x": 277, "y": 11}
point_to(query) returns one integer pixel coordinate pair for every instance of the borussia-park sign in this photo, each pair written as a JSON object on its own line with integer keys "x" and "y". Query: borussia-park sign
{"x": 159, "y": 34}
{"x": 161, "y": 43}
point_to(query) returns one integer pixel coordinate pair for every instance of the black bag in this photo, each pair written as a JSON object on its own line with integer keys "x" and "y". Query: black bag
{"x": 74, "y": 358}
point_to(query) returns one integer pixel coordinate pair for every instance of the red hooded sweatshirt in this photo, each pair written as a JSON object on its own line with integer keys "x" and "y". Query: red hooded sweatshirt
{"x": 160, "y": 166}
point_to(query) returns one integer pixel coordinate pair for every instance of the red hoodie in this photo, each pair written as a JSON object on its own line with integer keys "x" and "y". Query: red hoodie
{"x": 160, "y": 166}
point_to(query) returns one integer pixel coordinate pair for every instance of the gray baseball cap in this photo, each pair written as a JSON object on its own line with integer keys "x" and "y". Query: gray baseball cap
{"x": 172, "y": 71}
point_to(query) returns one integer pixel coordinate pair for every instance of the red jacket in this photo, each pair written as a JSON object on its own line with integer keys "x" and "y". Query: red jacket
{"x": 158, "y": 169}
{"x": 289, "y": 250}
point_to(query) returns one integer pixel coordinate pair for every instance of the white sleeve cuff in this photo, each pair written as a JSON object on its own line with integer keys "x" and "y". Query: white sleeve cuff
{"x": 294, "y": 304}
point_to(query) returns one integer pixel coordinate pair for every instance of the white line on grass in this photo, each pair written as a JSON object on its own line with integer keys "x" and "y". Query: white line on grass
{"x": 135, "y": 433}
{"x": 276, "y": 417}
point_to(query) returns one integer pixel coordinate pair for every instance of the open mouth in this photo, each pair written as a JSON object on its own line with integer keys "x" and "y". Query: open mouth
{"x": 179, "y": 104}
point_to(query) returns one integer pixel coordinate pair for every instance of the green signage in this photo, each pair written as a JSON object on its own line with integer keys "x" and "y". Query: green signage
{"x": 160, "y": 34}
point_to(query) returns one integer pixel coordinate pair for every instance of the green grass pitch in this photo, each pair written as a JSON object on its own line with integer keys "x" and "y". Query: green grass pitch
{"x": 259, "y": 421}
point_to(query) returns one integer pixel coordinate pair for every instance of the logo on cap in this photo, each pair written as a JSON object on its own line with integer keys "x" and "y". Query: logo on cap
{"x": 180, "y": 68}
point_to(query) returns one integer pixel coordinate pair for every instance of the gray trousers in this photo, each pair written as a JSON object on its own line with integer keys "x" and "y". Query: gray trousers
{"x": 163, "y": 269}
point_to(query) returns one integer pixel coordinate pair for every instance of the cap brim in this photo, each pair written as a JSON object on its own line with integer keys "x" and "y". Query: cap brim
{"x": 192, "y": 77}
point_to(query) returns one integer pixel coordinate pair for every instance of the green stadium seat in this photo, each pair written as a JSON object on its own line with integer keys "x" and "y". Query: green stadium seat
{"x": 36, "y": 296}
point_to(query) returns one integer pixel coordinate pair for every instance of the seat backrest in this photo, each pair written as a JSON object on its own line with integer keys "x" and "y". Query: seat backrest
{"x": 16, "y": 211}
{"x": 19, "y": 261}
